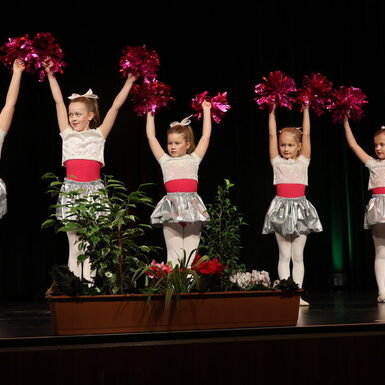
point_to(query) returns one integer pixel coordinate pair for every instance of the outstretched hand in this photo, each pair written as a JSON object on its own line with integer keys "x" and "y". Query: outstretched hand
{"x": 18, "y": 65}
{"x": 131, "y": 77}
{"x": 346, "y": 119}
{"x": 206, "y": 105}
{"x": 305, "y": 103}
{"x": 47, "y": 65}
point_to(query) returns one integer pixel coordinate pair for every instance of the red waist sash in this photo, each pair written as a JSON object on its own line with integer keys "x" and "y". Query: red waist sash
{"x": 290, "y": 190}
{"x": 181, "y": 185}
{"x": 82, "y": 170}
{"x": 378, "y": 190}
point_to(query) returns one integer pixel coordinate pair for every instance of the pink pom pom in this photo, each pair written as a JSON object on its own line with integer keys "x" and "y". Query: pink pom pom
{"x": 33, "y": 52}
{"x": 46, "y": 47}
{"x": 276, "y": 88}
{"x": 316, "y": 91}
{"x": 19, "y": 48}
{"x": 196, "y": 103}
{"x": 150, "y": 96}
{"x": 140, "y": 62}
{"x": 347, "y": 100}
{"x": 219, "y": 105}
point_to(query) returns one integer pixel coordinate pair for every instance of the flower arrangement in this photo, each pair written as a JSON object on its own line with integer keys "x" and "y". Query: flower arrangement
{"x": 109, "y": 235}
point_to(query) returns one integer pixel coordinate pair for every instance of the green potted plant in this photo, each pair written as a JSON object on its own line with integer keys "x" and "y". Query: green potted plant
{"x": 109, "y": 235}
{"x": 221, "y": 236}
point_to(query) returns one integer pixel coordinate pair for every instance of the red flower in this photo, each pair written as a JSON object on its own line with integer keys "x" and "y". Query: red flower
{"x": 158, "y": 270}
{"x": 207, "y": 267}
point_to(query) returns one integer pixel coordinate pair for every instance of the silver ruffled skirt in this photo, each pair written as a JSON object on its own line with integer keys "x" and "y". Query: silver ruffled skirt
{"x": 375, "y": 211}
{"x": 180, "y": 207}
{"x": 291, "y": 216}
{"x": 86, "y": 189}
{"x": 3, "y": 198}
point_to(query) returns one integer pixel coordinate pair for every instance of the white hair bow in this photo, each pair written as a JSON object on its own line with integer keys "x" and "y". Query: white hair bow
{"x": 185, "y": 122}
{"x": 88, "y": 94}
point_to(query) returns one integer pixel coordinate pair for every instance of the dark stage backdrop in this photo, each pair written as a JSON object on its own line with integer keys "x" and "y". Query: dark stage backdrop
{"x": 206, "y": 50}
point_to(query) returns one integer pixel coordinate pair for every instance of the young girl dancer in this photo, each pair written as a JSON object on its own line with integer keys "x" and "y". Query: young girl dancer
{"x": 6, "y": 116}
{"x": 291, "y": 216}
{"x": 83, "y": 149}
{"x": 181, "y": 212}
{"x": 375, "y": 209}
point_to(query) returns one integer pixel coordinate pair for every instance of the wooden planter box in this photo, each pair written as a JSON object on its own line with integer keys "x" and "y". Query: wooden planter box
{"x": 133, "y": 312}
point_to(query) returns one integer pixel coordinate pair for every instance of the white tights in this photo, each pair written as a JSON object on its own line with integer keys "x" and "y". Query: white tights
{"x": 74, "y": 252}
{"x": 291, "y": 249}
{"x": 179, "y": 238}
{"x": 378, "y": 233}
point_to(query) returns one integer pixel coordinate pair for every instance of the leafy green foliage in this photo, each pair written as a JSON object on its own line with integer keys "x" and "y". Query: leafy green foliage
{"x": 108, "y": 231}
{"x": 221, "y": 235}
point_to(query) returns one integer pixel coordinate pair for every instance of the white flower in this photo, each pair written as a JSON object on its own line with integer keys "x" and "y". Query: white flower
{"x": 247, "y": 279}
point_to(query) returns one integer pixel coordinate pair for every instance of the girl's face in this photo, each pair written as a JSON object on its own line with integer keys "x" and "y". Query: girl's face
{"x": 79, "y": 117}
{"x": 288, "y": 145}
{"x": 379, "y": 146}
{"x": 177, "y": 145}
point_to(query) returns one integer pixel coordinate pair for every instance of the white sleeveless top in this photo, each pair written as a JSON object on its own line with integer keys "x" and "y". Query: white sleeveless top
{"x": 376, "y": 173}
{"x": 290, "y": 170}
{"x": 87, "y": 144}
{"x": 181, "y": 167}
{"x": 2, "y": 136}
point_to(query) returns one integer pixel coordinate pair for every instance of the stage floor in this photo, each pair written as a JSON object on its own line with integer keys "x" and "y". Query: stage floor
{"x": 23, "y": 319}
{"x": 339, "y": 339}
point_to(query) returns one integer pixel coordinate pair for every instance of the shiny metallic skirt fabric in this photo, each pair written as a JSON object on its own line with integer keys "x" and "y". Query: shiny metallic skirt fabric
{"x": 3, "y": 198}
{"x": 86, "y": 189}
{"x": 375, "y": 211}
{"x": 291, "y": 216}
{"x": 180, "y": 207}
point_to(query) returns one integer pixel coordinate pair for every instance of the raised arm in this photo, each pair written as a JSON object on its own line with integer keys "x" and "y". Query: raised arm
{"x": 155, "y": 146}
{"x": 8, "y": 110}
{"x": 361, "y": 154}
{"x": 204, "y": 141}
{"x": 306, "y": 143}
{"x": 119, "y": 100}
{"x": 61, "y": 109}
{"x": 273, "y": 140}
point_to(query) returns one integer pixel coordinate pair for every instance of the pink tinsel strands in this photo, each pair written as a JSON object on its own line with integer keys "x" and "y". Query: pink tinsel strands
{"x": 347, "y": 100}
{"x": 19, "y": 48}
{"x": 317, "y": 90}
{"x": 150, "y": 96}
{"x": 33, "y": 52}
{"x": 140, "y": 62}
{"x": 47, "y": 47}
{"x": 219, "y": 105}
{"x": 276, "y": 88}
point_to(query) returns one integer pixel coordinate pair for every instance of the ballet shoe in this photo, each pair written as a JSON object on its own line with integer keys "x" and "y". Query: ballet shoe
{"x": 381, "y": 298}
{"x": 302, "y": 302}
